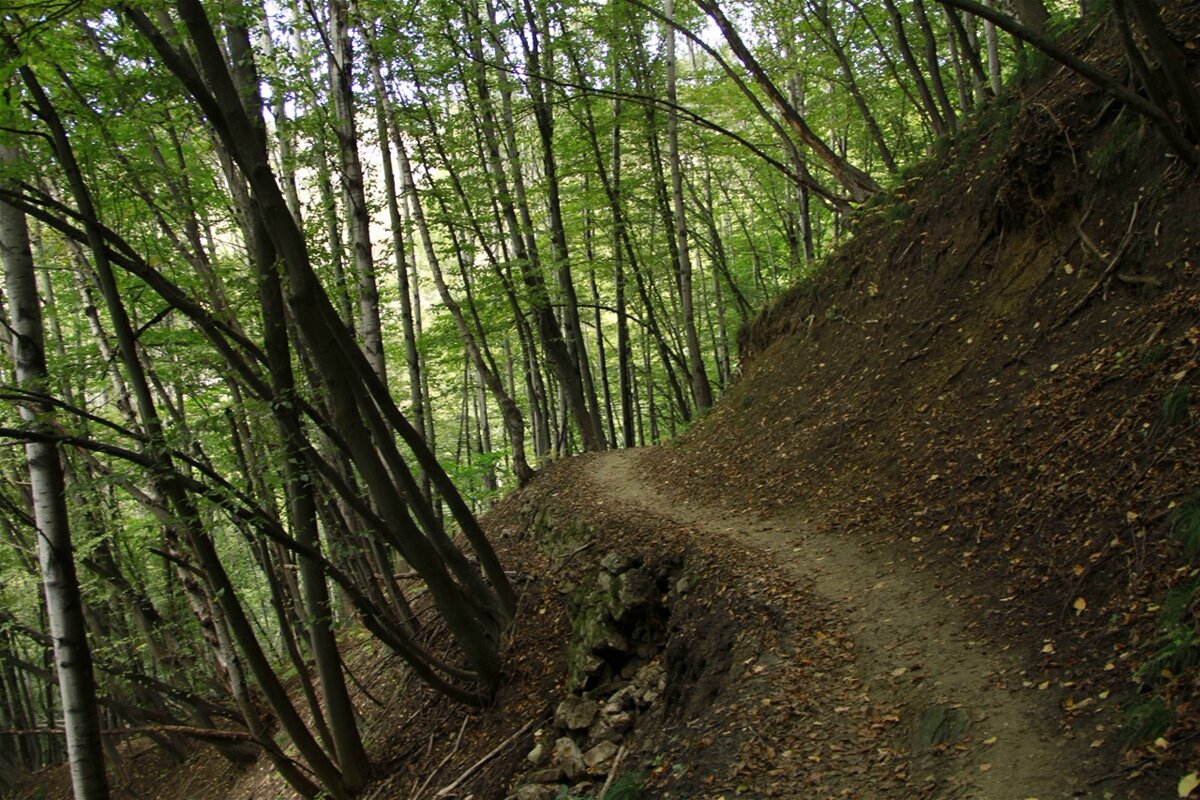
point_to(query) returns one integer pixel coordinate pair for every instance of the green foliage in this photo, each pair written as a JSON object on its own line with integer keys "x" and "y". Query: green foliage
{"x": 1032, "y": 66}
{"x": 1177, "y": 649}
{"x": 898, "y": 212}
{"x": 1185, "y": 527}
{"x": 1176, "y": 405}
{"x": 1180, "y": 643}
{"x": 1146, "y": 720}
{"x": 629, "y": 786}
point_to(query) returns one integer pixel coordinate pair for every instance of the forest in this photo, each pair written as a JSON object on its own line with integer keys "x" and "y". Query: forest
{"x": 295, "y": 292}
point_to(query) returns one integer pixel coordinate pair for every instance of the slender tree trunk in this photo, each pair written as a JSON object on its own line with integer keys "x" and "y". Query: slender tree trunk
{"x": 993, "y": 50}
{"x": 341, "y": 68}
{"x": 821, "y": 11}
{"x": 914, "y": 69}
{"x": 624, "y": 348}
{"x": 72, "y": 657}
{"x": 934, "y": 64}
{"x": 701, "y": 390}
{"x": 333, "y": 233}
{"x": 859, "y": 184}
{"x": 523, "y": 244}
{"x": 540, "y": 66}
{"x": 514, "y": 422}
{"x": 803, "y": 194}
{"x": 956, "y": 60}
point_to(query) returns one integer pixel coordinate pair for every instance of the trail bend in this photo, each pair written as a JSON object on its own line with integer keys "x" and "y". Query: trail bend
{"x": 915, "y": 649}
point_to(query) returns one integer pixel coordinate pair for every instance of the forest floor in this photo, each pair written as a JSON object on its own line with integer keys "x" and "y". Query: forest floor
{"x": 931, "y": 528}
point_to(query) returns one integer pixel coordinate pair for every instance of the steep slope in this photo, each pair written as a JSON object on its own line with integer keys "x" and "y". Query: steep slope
{"x": 991, "y": 384}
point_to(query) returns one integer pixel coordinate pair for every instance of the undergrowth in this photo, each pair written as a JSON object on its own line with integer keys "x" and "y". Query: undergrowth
{"x": 1177, "y": 648}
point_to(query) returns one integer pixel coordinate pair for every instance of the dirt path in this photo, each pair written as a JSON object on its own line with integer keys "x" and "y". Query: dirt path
{"x": 914, "y": 648}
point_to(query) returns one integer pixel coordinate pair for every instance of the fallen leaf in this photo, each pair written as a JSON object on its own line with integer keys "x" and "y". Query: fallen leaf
{"x": 1079, "y": 605}
{"x": 1187, "y": 784}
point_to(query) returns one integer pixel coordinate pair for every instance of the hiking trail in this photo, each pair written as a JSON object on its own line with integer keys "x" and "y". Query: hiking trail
{"x": 994, "y": 730}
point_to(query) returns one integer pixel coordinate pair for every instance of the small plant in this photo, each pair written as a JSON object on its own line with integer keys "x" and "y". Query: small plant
{"x": 1185, "y": 527}
{"x": 1118, "y": 147}
{"x": 1179, "y": 648}
{"x": 1175, "y": 408}
{"x": 898, "y": 212}
{"x": 1178, "y": 645}
{"x": 630, "y": 786}
{"x": 1155, "y": 353}
{"x": 1147, "y": 720}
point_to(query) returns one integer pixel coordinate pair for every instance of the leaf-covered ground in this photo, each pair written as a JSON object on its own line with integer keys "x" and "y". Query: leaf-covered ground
{"x": 945, "y": 484}
{"x": 999, "y": 389}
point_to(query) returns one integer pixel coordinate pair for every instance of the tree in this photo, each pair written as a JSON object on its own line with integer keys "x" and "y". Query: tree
{"x": 56, "y": 555}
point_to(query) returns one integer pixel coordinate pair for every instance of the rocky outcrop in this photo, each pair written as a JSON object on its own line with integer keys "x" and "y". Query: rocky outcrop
{"x": 591, "y": 729}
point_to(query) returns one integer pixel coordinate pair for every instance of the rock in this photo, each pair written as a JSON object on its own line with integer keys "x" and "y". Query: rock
{"x": 621, "y": 700}
{"x": 536, "y": 791}
{"x": 552, "y": 775}
{"x": 684, "y": 584}
{"x": 652, "y": 674}
{"x": 615, "y": 563}
{"x": 631, "y": 592}
{"x": 575, "y": 713}
{"x": 652, "y": 680}
{"x": 536, "y": 754}
{"x": 568, "y": 757}
{"x": 601, "y": 731}
{"x": 599, "y": 754}
{"x": 620, "y": 722}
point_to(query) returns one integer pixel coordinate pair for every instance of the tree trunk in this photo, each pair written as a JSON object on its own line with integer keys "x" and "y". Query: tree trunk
{"x": 1033, "y": 14}
{"x": 859, "y": 184}
{"x": 821, "y": 12}
{"x": 934, "y": 64}
{"x": 341, "y": 68}
{"x": 914, "y": 69}
{"x": 522, "y": 243}
{"x": 388, "y": 131}
{"x": 993, "y": 51}
{"x": 540, "y": 65}
{"x": 72, "y": 657}
{"x": 701, "y": 390}
{"x": 514, "y": 422}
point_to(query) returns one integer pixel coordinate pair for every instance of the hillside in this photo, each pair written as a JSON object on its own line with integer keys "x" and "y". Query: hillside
{"x": 937, "y": 540}
{"x": 965, "y": 449}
